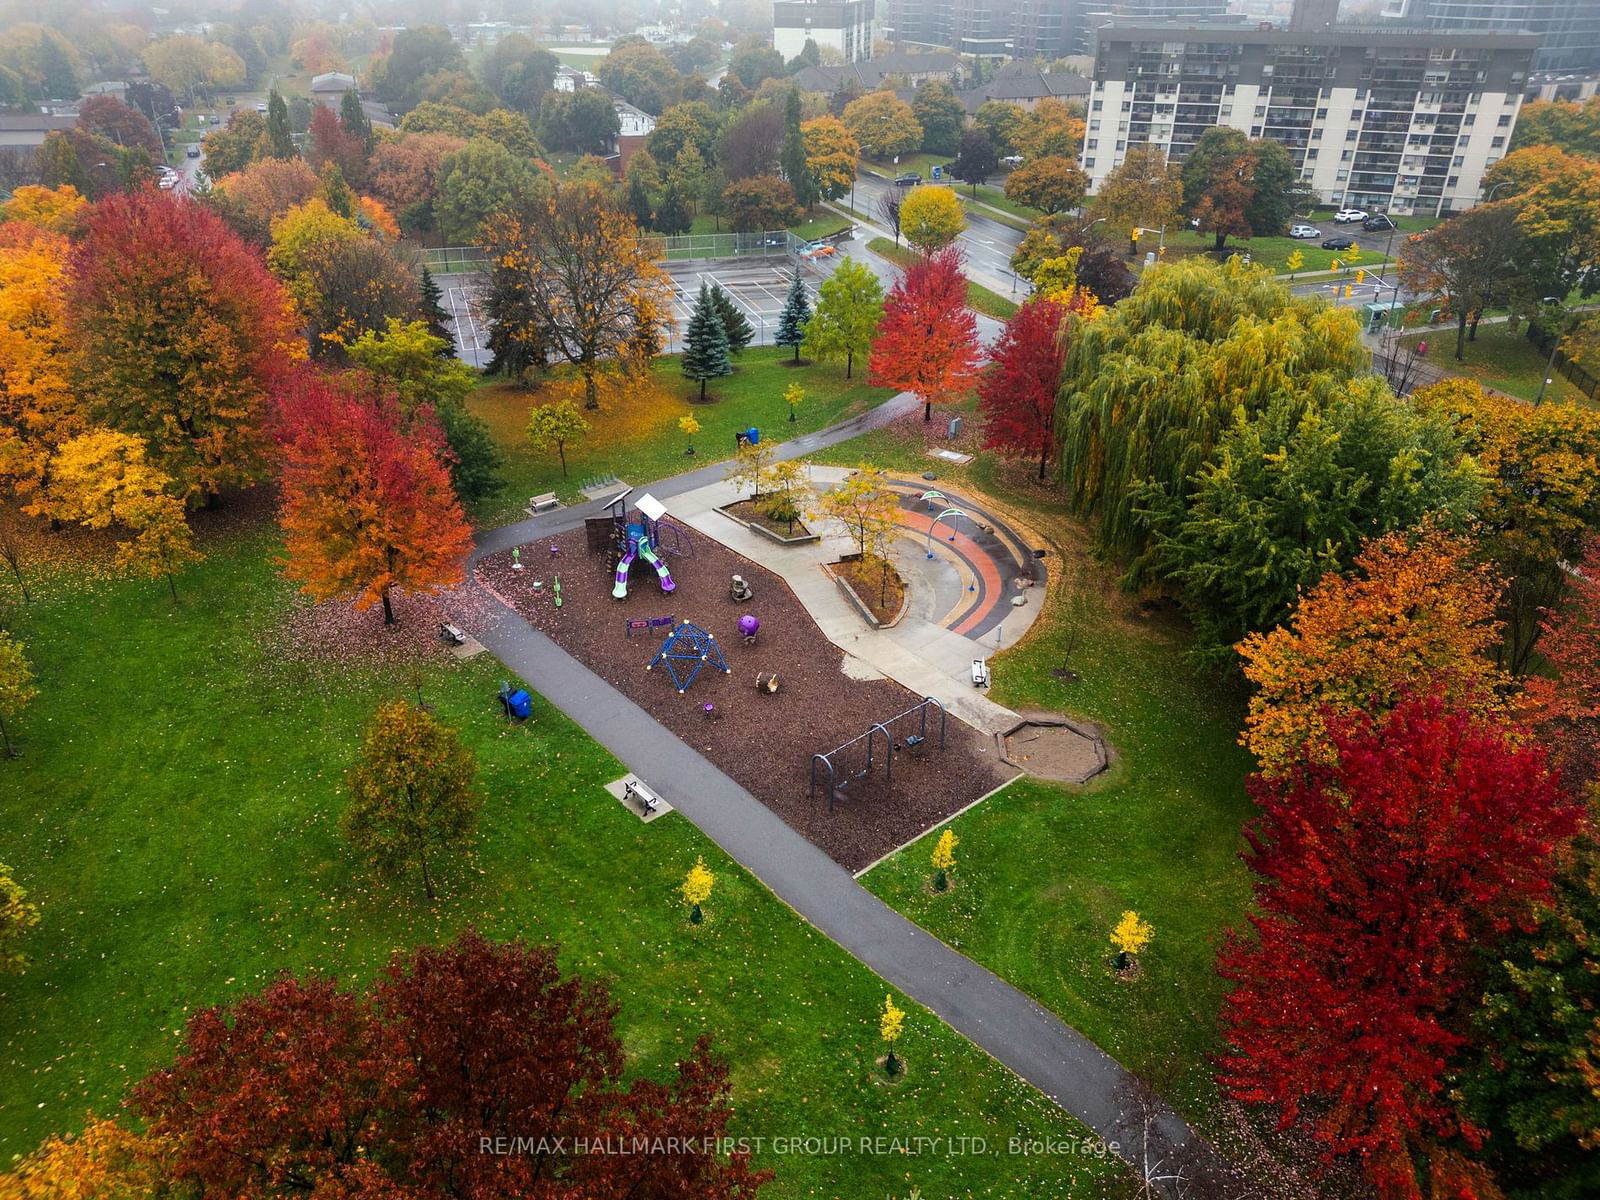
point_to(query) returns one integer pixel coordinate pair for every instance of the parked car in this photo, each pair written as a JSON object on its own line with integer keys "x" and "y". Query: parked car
{"x": 909, "y": 179}
{"x": 261, "y": 106}
{"x": 168, "y": 182}
{"x": 193, "y": 151}
{"x": 1346, "y": 215}
{"x": 1378, "y": 223}
{"x": 1011, "y": 160}
{"x": 1338, "y": 243}
{"x": 819, "y": 250}
{"x": 1304, "y": 231}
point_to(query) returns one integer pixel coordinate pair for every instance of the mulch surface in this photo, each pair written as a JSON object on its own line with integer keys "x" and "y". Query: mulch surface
{"x": 765, "y": 742}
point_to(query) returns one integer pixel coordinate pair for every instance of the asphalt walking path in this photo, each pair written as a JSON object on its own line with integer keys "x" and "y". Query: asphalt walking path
{"x": 1058, "y": 1060}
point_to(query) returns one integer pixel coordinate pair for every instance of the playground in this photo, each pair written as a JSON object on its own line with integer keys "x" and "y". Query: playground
{"x": 765, "y": 737}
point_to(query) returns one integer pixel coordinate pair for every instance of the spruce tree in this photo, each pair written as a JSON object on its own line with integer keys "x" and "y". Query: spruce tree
{"x": 355, "y": 121}
{"x": 793, "y": 158}
{"x": 434, "y": 314}
{"x": 55, "y": 69}
{"x": 336, "y": 193}
{"x": 794, "y": 318}
{"x": 280, "y": 138}
{"x": 734, "y": 325}
{"x": 638, "y": 203}
{"x": 672, "y": 215}
{"x": 705, "y": 345}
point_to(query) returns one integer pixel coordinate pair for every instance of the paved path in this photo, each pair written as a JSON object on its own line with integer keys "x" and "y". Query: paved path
{"x": 1037, "y": 1045}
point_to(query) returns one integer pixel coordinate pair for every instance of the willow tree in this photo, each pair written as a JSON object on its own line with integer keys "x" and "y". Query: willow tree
{"x": 1149, "y": 388}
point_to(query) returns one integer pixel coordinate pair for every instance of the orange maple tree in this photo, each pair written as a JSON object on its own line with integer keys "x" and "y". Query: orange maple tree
{"x": 1414, "y": 614}
{"x": 39, "y": 411}
{"x": 927, "y": 342}
{"x": 367, "y": 502}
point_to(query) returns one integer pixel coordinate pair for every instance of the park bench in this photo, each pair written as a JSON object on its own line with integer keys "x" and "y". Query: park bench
{"x": 543, "y": 503}
{"x": 452, "y": 635}
{"x": 980, "y": 672}
{"x": 643, "y": 796}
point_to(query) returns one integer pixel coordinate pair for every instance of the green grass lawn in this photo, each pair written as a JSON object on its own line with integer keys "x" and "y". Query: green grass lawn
{"x": 921, "y": 163}
{"x": 979, "y": 298}
{"x": 1045, "y": 870}
{"x": 174, "y": 814}
{"x": 1274, "y": 252}
{"x": 822, "y": 226}
{"x": 643, "y": 443}
{"x": 1499, "y": 358}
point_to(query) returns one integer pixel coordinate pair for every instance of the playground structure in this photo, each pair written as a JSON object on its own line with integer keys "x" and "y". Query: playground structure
{"x": 630, "y": 538}
{"x": 686, "y": 650}
{"x": 857, "y": 758}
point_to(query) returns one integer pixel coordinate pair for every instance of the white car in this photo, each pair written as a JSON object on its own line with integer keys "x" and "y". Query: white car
{"x": 168, "y": 182}
{"x": 1304, "y": 231}
{"x": 1011, "y": 160}
{"x": 1346, "y": 215}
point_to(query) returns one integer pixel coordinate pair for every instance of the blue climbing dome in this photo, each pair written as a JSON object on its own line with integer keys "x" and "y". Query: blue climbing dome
{"x": 686, "y": 650}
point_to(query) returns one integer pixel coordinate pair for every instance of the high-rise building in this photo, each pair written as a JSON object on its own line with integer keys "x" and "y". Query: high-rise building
{"x": 1570, "y": 28}
{"x": 842, "y": 25}
{"x": 1047, "y": 29}
{"x": 1406, "y": 121}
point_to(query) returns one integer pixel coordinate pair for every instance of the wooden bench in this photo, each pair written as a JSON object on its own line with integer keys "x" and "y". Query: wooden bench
{"x": 452, "y": 635}
{"x": 643, "y": 796}
{"x": 543, "y": 503}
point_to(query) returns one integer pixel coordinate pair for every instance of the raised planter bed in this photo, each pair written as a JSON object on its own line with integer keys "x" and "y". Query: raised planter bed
{"x": 863, "y": 594}
{"x": 751, "y": 515}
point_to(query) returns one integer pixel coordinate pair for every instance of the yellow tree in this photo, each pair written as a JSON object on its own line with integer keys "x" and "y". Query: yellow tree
{"x": 831, "y": 154}
{"x": 1131, "y": 935}
{"x": 39, "y": 409}
{"x": 56, "y": 209}
{"x": 107, "y": 1161}
{"x": 891, "y": 1024}
{"x": 16, "y": 686}
{"x": 868, "y": 508}
{"x": 1414, "y": 615}
{"x": 696, "y": 889}
{"x": 556, "y": 426}
{"x": 1144, "y": 191}
{"x": 883, "y": 125}
{"x": 750, "y": 466}
{"x": 794, "y": 396}
{"x": 103, "y": 478}
{"x": 944, "y": 859}
{"x": 931, "y": 218}
{"x": 688, "y": 426}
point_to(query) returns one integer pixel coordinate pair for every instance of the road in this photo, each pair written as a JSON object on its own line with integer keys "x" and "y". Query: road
{"x": 988, "y": 244}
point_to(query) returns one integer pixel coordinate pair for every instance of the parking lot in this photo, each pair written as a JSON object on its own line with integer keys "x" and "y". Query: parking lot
{"x": 757, "y": 287}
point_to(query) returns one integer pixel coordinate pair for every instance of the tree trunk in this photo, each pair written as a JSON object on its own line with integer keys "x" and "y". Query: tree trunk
{"x": 702, "y": 389}
{"x": 388, "y": 609}
{"x": 927, "y": 410}
{"x": 797, "y": 352}
{"x": 1044, "y": 455}
{"x": 849, "y": 362}
{"x": 11, "y": 751}
{"x": 561, "y": 451}
{"x": 173, "y": 585}
{"x": 1461, "y": 336}
{"x": 1222, "y": 240}
{"x": 1477, "y": 315}
{"x": 591, "y": 390}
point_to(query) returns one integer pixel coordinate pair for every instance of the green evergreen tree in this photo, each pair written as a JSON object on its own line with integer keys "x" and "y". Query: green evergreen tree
{"x": 434, "y": 314}
{"x": 672, "y": 215}
{"x": 355, "y": 120}
{"x": 638, "y": 204}
{"x": 336, "y": 193}
{"x": 793, "y": 159}
{"x": 794, "y": 318}
{"x": 734, "y": 325}
{"x": 705, "y": 345}
{"x": 280, "y": 137}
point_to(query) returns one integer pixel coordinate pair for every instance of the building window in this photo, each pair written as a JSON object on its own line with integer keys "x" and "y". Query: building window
{"x": 1499, "y": 141}
{"x": 1347, "y": 156}
{"x": 1322, "y": 114}
{"x": 1469, "y": 119}
{"x": 1098, "y": 105}
{"x": 1121, "y": 145}
{"x": 1505, "y": 120}
{"x": 1088, "y": 164}
{"x": 1351, "y": 134}
{"x": 1311, "y": 154}
{"x": 1460, "y": 160}
{"x": 1093, "y": 143}
{"x": 1343, "y": 175}
{"x": 1452, "y": 181}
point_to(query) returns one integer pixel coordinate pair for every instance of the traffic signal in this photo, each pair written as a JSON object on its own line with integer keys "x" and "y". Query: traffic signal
{"x": 1160, "y": 251}
{"x": 1134, "y": 236}
{"x": 1336, "y": 264}
{"x": 1347, "y": 290}
{"x": 1360, "y": 276}
{"x": 1354, "y": 249}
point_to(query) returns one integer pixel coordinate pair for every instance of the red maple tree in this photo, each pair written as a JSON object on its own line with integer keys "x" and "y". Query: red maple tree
{"x": 927, "y": 342}
{"x": 330, "y": 142}
{"x": 181, "y": 334}
{"x": 367, "y": 502}
{"x": 1017, "y": 392}
{"x": 418, "y": 1088}
{"x": 1378, "y": 877}
{"x": 1565, "y": 705}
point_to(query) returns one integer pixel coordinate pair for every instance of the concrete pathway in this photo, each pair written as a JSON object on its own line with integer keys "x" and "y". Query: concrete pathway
{"x": 1063, "y": 1064}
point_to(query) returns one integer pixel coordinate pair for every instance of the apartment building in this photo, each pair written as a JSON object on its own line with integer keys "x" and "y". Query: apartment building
{"x": 1377, "y": 118}
{"x": 842, "y": 25}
